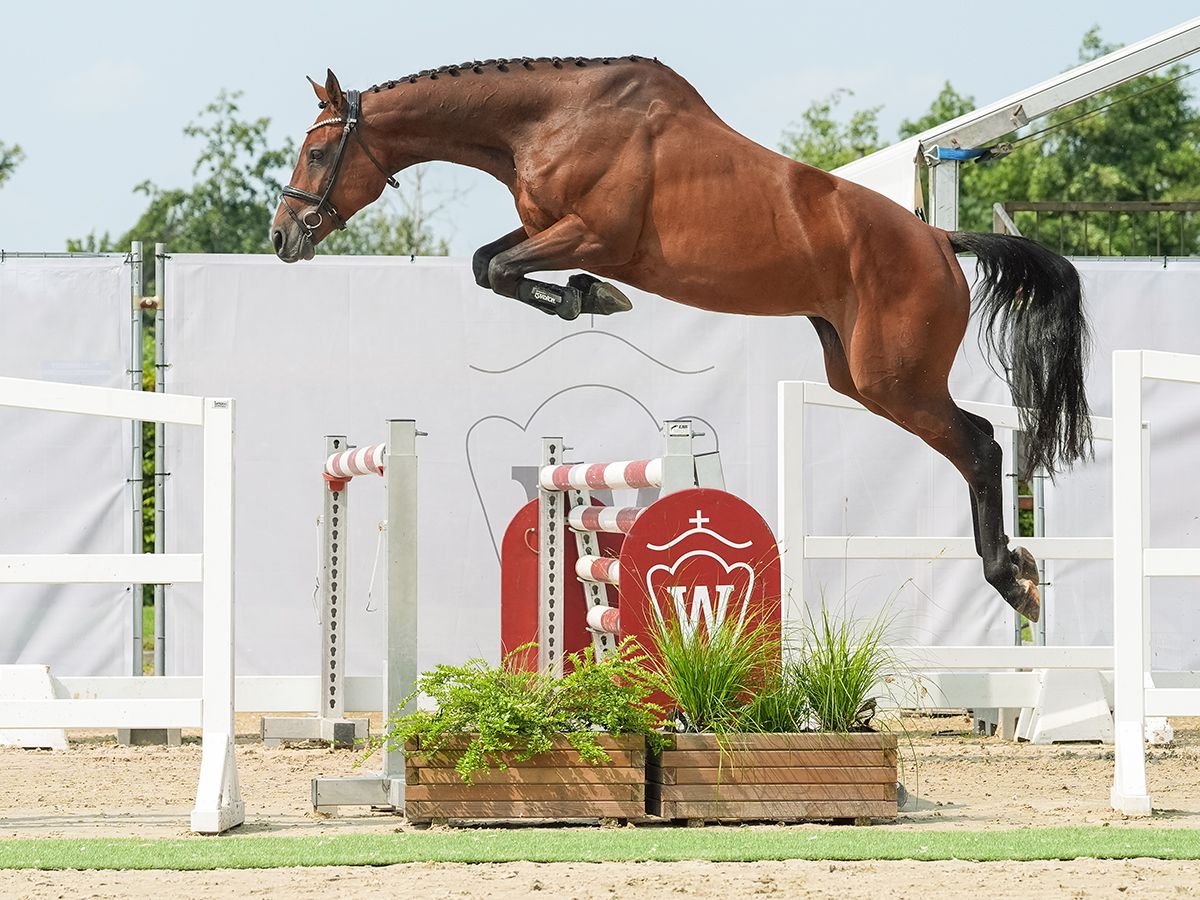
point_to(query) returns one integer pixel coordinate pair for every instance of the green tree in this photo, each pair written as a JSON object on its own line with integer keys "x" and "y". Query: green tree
{"x": 1137, "y": 141}
{"x": 948, "y": 104}
{"x": 229, "y": 207}
{"x": 10, "y": 157}
{"x": 820, "y": 140}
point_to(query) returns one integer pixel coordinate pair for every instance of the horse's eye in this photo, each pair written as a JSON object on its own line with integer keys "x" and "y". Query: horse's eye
{"x": 316, "y": 154}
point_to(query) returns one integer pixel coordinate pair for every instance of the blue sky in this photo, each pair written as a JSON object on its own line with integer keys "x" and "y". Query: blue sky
{"x": 98, "y": 94}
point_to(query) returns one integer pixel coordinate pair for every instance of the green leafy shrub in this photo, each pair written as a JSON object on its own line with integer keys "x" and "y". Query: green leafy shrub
{"x": 506, "y": 711}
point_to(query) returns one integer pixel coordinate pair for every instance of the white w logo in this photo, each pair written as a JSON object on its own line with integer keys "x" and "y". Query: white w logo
{"x": 702, "y": 608}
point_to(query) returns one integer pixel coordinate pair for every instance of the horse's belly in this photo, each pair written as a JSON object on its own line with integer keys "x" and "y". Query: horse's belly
{"x": 722, "y": 284}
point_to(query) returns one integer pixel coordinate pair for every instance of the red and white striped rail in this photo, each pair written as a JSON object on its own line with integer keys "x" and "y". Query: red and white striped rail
{"x": 605, "y": 619}
{"x": 341, "y": 467}
{"x": 637, "y": 473}
{"x": 601, "y": 569}
{"x": 611, "y": 519}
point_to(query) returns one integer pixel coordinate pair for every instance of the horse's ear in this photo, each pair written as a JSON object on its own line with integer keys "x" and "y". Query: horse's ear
{"x": 333, "y": 90}
{"x": 322, "y": 96}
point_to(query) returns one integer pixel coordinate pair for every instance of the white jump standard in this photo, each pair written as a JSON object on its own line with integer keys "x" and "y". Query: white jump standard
{"x": 559, "y": 483}
{"x": 396, "y": 463}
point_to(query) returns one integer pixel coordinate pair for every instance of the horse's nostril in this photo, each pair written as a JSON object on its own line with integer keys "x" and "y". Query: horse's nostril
{"x": 277, "y": 239}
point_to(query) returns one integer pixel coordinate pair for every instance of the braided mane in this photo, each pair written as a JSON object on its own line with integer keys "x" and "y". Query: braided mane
{"x": 479, "y": 67}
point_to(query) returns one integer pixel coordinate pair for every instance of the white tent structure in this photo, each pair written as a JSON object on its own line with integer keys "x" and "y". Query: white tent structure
{"x": 893, "y": 171}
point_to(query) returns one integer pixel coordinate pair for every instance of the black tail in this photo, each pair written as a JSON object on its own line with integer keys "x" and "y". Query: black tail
{"x": 1032, "y": 320}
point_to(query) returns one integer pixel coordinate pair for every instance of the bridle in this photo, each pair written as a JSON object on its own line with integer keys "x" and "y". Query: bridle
{"x": 312, "y": 219}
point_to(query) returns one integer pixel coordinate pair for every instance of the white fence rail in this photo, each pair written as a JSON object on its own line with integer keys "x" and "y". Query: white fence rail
{"x": 940, "y": 685}
{"x": 1138, "y": 691}
{"x": 218, "y": 798}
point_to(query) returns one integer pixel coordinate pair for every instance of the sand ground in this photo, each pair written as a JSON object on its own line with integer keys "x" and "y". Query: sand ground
{"x": 957, "y": 781}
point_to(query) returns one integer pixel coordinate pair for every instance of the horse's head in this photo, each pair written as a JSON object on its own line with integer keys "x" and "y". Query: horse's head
{"x": 336, "y": 175}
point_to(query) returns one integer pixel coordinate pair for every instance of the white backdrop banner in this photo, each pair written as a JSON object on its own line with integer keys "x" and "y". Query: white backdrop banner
{"x": 65, "y": 319}
{"x": 1134, "y": 305}
{"x": 339, "y": 345}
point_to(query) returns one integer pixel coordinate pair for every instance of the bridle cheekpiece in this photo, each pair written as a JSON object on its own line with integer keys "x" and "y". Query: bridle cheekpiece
{"x": 312, "y": 219}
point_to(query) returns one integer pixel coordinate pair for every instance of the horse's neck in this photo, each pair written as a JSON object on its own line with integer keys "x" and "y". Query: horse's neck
{"x": 464, "y": 120}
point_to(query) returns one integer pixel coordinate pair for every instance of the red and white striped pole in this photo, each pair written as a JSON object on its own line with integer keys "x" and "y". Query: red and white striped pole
{"x": 638, "y": 473}
{"x": 341, "y": 467}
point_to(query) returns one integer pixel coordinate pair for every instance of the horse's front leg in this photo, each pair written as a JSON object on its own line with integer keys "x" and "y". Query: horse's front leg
{"x": 484, "y": 255}
{"x": 567, "y": 244}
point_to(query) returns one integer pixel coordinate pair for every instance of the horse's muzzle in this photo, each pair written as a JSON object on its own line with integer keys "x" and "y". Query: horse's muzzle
{"x": 291, "y": 244}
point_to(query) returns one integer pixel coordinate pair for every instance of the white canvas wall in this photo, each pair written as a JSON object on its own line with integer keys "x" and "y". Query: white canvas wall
{"x": 1134, "y": 305}
{"x": 64, "y": 479}
{"x": 340, "y": 345}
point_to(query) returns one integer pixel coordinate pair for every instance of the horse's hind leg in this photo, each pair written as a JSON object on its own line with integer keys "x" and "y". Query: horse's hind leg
{"x": 934, "y": 417}
{"x": 837, "y": 367}
{"x": 566, "y": 244}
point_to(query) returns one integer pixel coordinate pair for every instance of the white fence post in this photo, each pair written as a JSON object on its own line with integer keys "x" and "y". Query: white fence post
{"x": 790, "y": 529}
{"x": 218, "y": 798}
{"x": 1129, "y": 791}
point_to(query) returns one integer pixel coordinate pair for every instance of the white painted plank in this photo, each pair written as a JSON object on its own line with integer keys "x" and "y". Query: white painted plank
{"x": 999, "y": 657}
{"x": 100, "y": 713}
{"x": 861, "y": 547}
{"x": 53, "y": 396}
{"x": 100, "y": 568}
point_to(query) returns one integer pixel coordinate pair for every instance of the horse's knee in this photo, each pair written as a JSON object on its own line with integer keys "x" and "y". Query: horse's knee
{"x": 479, "y": 266}
{"x": 502, "y": 278}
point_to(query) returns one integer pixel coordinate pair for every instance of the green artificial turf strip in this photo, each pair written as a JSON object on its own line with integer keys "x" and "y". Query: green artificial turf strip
{"x": 598, "y": 845}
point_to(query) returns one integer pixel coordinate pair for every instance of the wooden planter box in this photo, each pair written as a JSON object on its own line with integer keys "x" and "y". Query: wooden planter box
{"x": 553, "y": 785}
{"x": 774, "y": 777}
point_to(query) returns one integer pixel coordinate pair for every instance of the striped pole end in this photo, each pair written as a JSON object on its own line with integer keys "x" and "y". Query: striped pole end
{"x": 360, "y": 461}
{"x": 605, "y": 619}
{"x": 610, "y": 519}
{"x": 602, "y": 569}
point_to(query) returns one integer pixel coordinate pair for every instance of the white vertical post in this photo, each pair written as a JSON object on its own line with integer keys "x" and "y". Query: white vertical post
{"x": 400, "y": 668}
{"x": 552, "y": 534}
{"x": 160, "y": 458}
{"x": 790, "y": 529}
{"x": 335, "y": 579}
{"x": 135, "y": 471}
{"x": 679, "y": 465}
{"x": 218, "y": 796}
{"x": 1130, "y": 793}
{"x": 943, "y": 194}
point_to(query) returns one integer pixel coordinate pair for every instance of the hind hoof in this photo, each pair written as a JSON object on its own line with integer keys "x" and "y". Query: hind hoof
{"x": 1029, "y": 576}
{"x": 599, "y": 297}
{"x": 1028, "y": 604}
{"x": 1027, "y": 565}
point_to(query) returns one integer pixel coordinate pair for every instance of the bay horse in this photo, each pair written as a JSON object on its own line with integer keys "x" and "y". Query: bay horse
{"x": 618, "y": 167}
